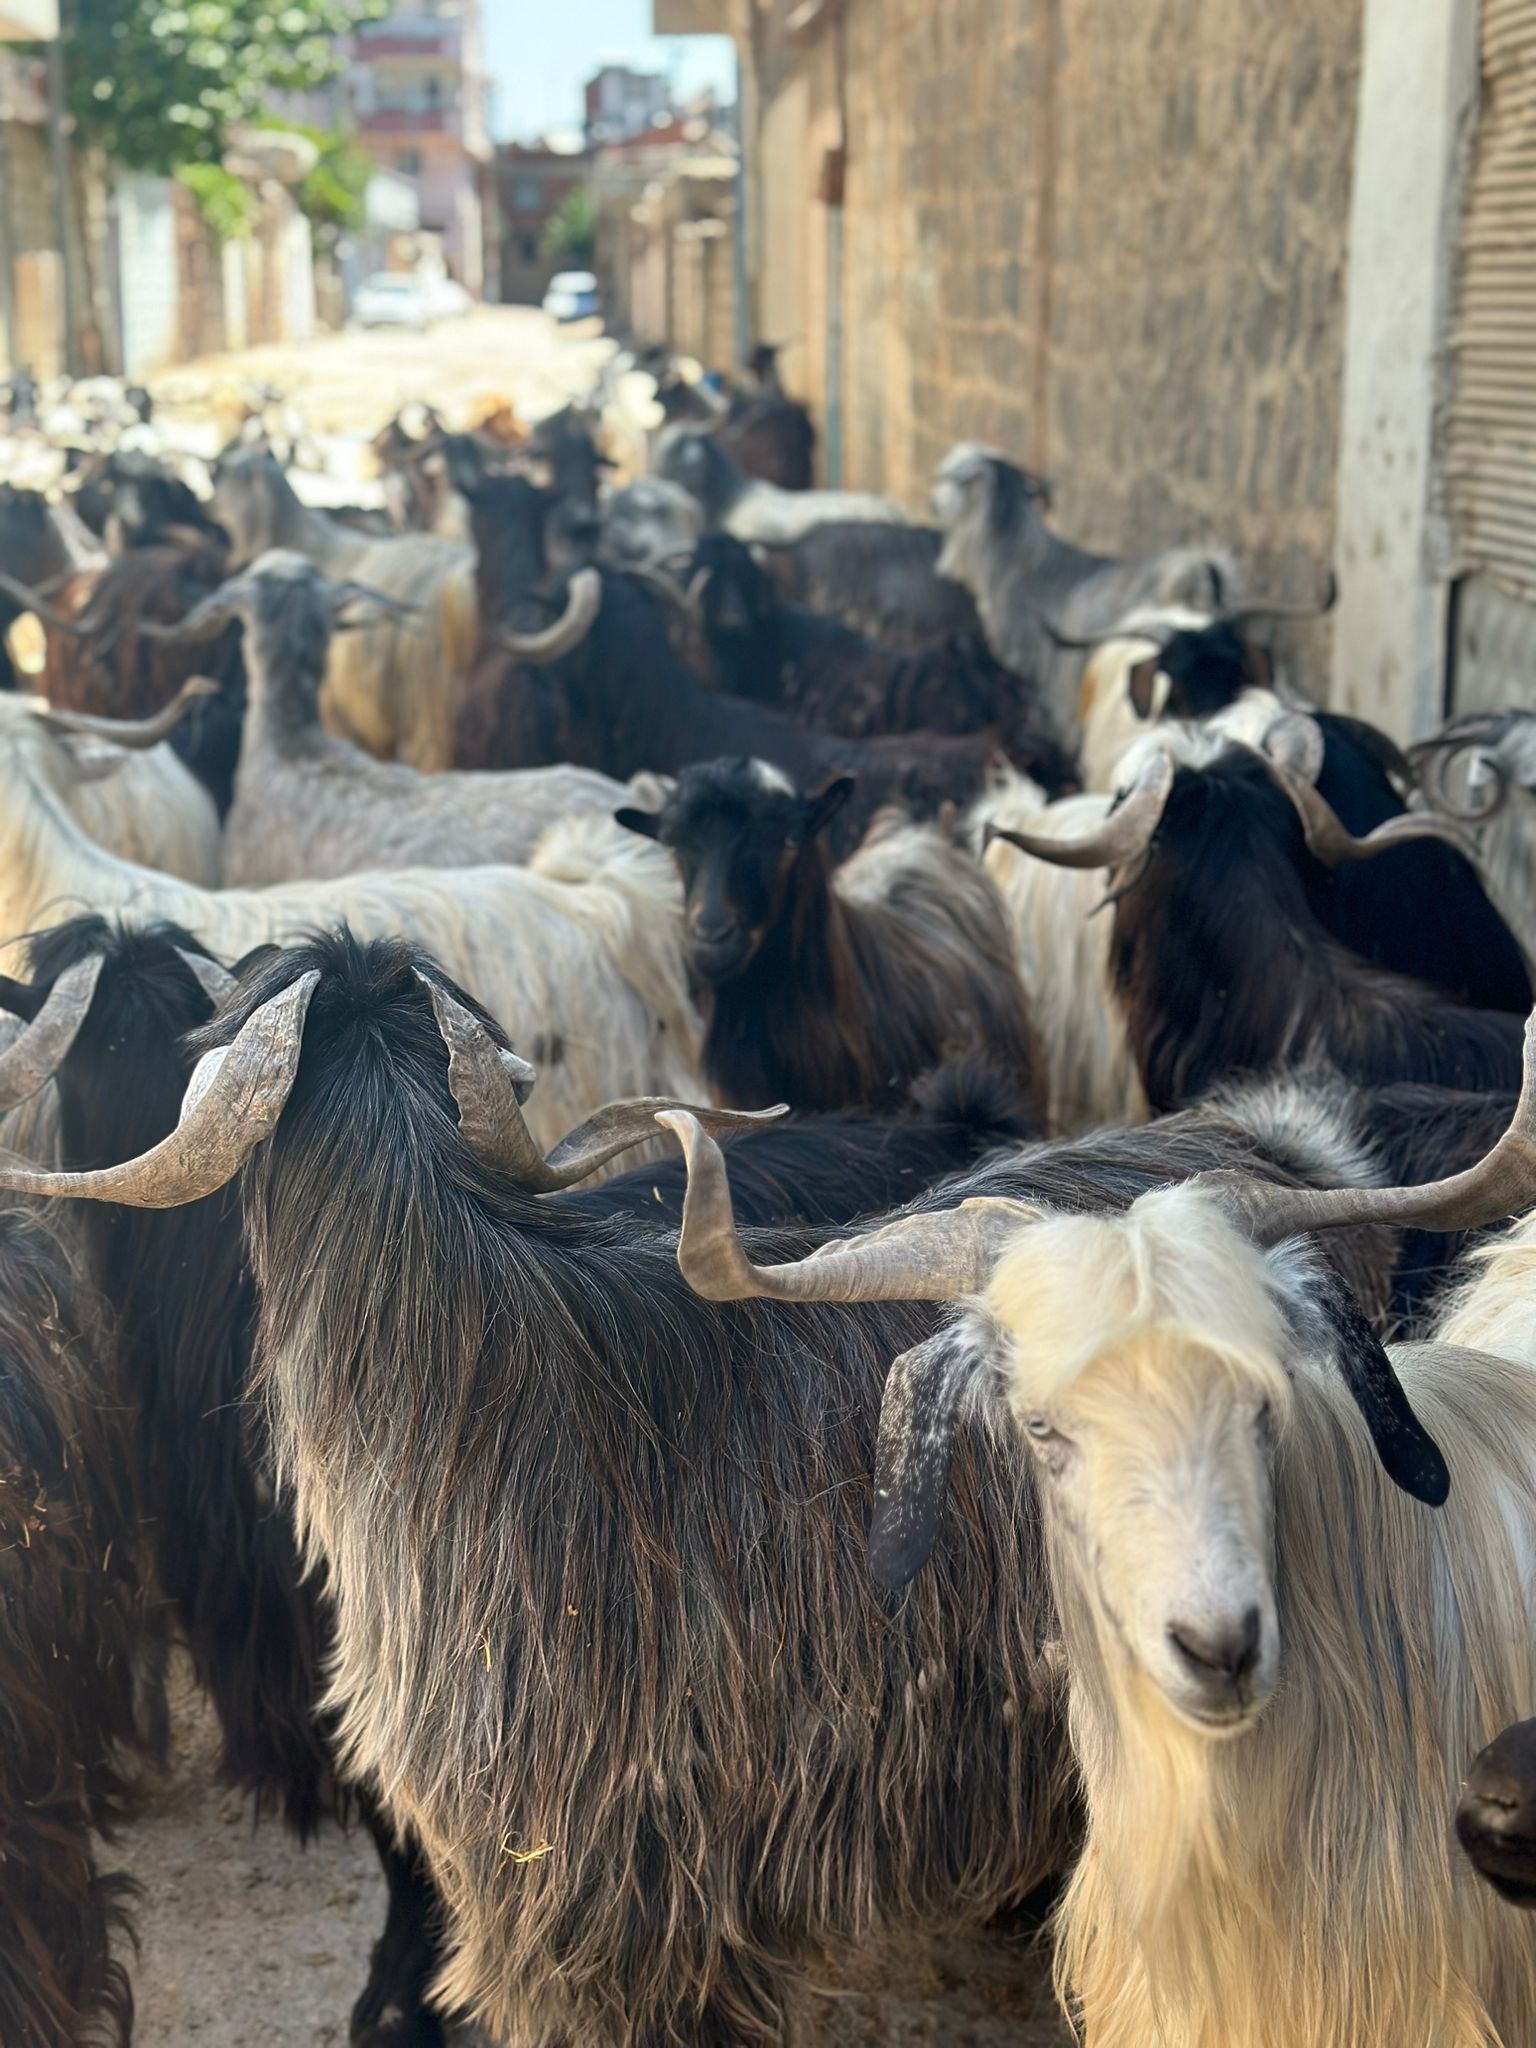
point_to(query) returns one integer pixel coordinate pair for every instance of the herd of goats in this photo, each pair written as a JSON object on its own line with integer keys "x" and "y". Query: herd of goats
{"x": 1087, "y": 1443}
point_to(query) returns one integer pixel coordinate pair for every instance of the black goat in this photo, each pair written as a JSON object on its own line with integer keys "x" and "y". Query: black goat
{"x": 605, "y": 1626}
{"x": 832, "y": 1169}
{"x": 31, "y": 553}
{"x": 617, "y": 697}
{"x": 131, "y": 500}
{"x": 1222, "y": 968}
{"x": 816, "y": 995}
{"x": 226, "y": 1555}
{"x": 838, "y": 681}
{"x": 71, "y": 1618}
{"x": 881, "y": 580}
{"x": 104, "y": 662}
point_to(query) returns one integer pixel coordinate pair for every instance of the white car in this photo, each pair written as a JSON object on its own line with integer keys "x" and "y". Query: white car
{"x": 572, "y": 295}
{"x": 392, "y": 298}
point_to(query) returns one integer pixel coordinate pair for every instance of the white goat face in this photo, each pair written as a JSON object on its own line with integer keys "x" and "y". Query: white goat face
{"x": 963, "y": 483}
{"x": 1154, "y": 1444}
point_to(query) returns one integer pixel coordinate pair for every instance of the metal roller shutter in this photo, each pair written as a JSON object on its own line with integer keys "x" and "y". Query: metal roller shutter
{"x": 1490, "y": 445}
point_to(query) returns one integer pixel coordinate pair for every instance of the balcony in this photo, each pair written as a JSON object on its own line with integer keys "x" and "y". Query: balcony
{"x": 415, "y": 120}
{"x": 393, "y": 39}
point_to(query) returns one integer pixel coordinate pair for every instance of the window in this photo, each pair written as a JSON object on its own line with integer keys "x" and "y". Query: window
{"x": 530, "y": 248}
{"x": 527, "y": 194}
{"x": 408, "y": 162}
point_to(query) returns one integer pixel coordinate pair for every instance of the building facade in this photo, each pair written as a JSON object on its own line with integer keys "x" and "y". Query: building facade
{"x": 532, "y": 184}
{"x": 418, "y": 94}
{"x": 621, "y": 102}
{"x": 1259, "y": 270}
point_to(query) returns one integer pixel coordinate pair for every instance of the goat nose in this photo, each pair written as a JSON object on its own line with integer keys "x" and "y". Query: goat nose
{"x": 710, "y": 931}
{"x": 1223, "y": 1650}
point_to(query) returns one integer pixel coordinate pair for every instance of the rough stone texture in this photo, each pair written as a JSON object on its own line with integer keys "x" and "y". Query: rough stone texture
{"x": 1109, "y": 238}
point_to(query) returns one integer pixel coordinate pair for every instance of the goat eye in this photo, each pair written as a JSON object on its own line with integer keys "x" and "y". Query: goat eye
{"x": 1039, "y": 1428}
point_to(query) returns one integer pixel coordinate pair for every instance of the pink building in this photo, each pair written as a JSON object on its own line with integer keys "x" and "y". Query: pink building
{"x": 418, "y": 93}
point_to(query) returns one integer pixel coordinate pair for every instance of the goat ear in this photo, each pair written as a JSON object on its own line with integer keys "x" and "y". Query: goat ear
{"x": 824, "y": 806}
{"x": 918, "y": 1413}
{"x": 1143, "y": 685}
{"x": 1409, "y": 1455}
{"x": 646, "y": 823}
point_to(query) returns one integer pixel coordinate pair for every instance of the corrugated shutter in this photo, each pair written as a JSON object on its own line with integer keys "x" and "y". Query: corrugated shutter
{"x": 1491, "y": 437}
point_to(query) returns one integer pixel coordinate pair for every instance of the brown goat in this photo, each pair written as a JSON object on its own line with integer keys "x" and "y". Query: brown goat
{"x": 833, "y": 993}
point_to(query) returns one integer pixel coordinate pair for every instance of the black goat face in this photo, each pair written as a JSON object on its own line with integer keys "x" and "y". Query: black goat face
{"x": 735, "y": 830}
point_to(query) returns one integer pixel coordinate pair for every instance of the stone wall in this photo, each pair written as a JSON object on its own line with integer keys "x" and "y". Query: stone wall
{"x": 1108, "y": 237}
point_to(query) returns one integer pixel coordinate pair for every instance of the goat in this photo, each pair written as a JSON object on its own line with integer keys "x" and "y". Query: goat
{"x": 834, "y": 679}
{"x": 877, "y": 579}
{"x": 1061, "y": 954}
{"x": 1218, "y": 961}
{"x": 106, "y": 1011}
{"x": 1496, "y": 1814}
{"x": 71, "y": 1617}
{"x": 702, "y": 1520}
{"x": 767, "y": 433}
{"x": 130, "y": 499}
{"x": 601, "y": 686}
{"x": 834, "y": 1168}
{"x": 124, "y": 787}
{"x": 104, "y": 657}
{"x": 733, "y": 502}
{"x": 648, "y": 523}
{"x": 307, "y": 804}
{"x": 583, "y": 947}
{"x": 1275, "y": 1658}
{"x": 564, "y": 442}
{"x": 393, "y": 688}
{"x": 832, "y": 993}
{"x": 33, "y": 552}
{"x": 1481, "y": 770}
{"x": 1022, "y": 575}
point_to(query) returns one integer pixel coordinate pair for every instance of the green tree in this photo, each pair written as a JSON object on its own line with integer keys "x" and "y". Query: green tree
{"x": 570, "y": 233}
{"x": 157, "y": 85}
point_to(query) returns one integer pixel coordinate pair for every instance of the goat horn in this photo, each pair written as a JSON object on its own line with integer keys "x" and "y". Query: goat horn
{"x": 35, "y": 1056}
{"x": 214, "y": 981}
{"x": 666, "y": 589}
{"x": 133, "y": 732}
{"x": 50, "y": 615}
{"x": 232, "y": 1103}
{"x": 1434, "y": 759}
{"x": 1318, "y": 608}
{"x": 488, "y": 1083}
{"x": 1502, "y": 1184}
{"x": 942, "y": 1256}
{"x": 584, "y": 600}
{"x": 1330, "y": 841}
{"x": 1295, "y": 744}
{"x": 1124, "y": 834}
{"x": 1074, "y": 646}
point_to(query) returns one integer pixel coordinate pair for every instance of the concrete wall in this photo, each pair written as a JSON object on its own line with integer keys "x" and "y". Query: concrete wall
{"x": 1110, "y": 238}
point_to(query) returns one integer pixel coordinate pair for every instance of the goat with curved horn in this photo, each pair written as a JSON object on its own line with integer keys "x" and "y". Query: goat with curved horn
{"x": 33, "y": 1058}
{"x": 489, "y": 1085}
{"x": 1295, "y": 745}
{"x": 1127, "y": 831}
{"x": 584, "y": 600}
{"x": 233, "y": 1101}
{"x": 1316, "y": 608}
{"x": 938, "y": 1257}
{"x": 137, "y": 733}
{"x": 1330, "y": 841}
{"x": 33, "y": 601}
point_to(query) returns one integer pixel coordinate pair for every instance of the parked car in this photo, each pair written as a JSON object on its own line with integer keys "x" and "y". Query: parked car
{"x": 392, "y": 298}
{"x": 572, "y": 295}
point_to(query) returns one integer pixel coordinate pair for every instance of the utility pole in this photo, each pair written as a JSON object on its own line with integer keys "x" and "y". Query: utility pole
{"x": 10, "y": 332}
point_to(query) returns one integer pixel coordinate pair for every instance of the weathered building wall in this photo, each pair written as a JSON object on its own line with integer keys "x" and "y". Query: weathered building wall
{"x": 1108, "y": 237}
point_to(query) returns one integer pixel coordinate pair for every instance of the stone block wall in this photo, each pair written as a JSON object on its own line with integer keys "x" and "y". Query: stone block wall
{"x": 1108, "y": 235}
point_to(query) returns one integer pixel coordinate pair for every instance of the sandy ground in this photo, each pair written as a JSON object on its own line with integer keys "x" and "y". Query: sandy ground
{"x": 343, "y": 387}
{"x": 249, "y": 1941}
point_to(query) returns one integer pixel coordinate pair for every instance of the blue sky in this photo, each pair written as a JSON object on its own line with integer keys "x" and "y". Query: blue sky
{"x": 540, "y": 52}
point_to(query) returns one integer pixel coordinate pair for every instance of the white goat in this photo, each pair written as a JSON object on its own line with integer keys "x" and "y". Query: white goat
{"x": 308, "y": 804}
{"x": 1062, "y": 953}
{"x": 579, "y": 956}
{"x": 1277, "y": 1662}
{"x": 394, "y": 688}
{"x": 131, "y": 793}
